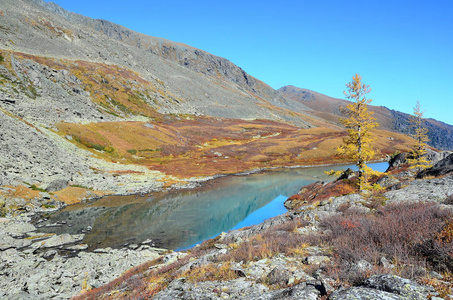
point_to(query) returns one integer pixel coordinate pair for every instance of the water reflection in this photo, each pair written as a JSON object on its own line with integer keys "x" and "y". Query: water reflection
{"x": 181, "y": 219}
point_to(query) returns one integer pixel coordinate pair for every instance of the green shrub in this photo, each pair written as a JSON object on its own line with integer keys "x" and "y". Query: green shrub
{"x": 132, "y": 151}
{"x": 35, "y": 188}
{"x": 81, "y": 186}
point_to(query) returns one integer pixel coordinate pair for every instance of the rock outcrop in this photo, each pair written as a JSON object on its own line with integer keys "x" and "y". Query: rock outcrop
{"x": 385, "y": 287}
{"x": 442, "y": 167}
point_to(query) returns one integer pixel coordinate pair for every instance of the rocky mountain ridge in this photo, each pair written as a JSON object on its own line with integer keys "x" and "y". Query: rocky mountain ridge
{"x": 225, "y": 91}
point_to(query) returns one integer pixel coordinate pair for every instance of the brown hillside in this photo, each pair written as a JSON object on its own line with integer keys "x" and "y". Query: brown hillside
{"x": 208, "y": 146}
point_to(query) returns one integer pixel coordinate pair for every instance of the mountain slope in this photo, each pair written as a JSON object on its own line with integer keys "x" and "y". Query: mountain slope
{"x": 222, "y": 89}
{"x": 328, "y": 108}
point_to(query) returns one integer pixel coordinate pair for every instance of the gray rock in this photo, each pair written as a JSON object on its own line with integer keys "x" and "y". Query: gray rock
{"x": 49, "y": 254}
{"x": 16, "y": 228}
{"x": 443, "y": 167}
{"x": 60, "y": 277}
{"x": 400, "y": 286}
{"x": 361, "y": 266}
{"x": 238, "y": 270}
{"x": 397, "y": 160}
{"x": 386, "y": 264}
{"x": 57, "y": 185}
{"x": 300, "y": 274}
{"x": 59, "y": 240}
{"x": 317, "y": 259}
{"x": 279, "y": 275}
{"x": 388, "y": 181}
{"x": 78, "y": 247}
{"x": 437, "y": 189}
{"x": 306, "y": 291}
{"x": 364, "y": 293}
{"x": 7, "y": 242}
{"x": 434, "y": 157}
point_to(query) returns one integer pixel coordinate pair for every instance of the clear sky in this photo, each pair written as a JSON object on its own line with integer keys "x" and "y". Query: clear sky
{"x": 403, "y": 49}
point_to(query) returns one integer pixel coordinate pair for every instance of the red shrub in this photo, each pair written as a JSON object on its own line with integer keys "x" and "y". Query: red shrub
{"x": 404, "y": 232}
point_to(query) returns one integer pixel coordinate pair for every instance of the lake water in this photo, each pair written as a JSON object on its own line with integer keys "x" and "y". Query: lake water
{"x": 180, "y": 219}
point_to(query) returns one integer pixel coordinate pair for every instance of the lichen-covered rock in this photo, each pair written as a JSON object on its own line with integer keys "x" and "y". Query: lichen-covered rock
{"x": 305, "y": 290}
{"x": 400, "y": 286}
{"x": 7, "y": 242}
{"x": 235, "y": 289}
{"x": 317, "y": 259}
{"x": 28, "y": 276}
{"x": 364, "y": 293}
{"x": 59, "y": 240}
{"x": 385, "y": 287}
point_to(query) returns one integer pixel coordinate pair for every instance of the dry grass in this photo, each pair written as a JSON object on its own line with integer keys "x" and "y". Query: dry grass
{"x": 210, "y": 272}
{"x": 207, "y": 146}
{"x": 72, "y": 195}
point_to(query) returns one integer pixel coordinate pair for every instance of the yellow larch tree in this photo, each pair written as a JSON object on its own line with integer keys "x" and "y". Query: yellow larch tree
{"x": 419, "y": 161}
{"x": 359, "y": 123}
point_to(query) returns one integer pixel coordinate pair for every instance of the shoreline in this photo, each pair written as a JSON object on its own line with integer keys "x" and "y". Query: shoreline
{"x": 195, "y": 182}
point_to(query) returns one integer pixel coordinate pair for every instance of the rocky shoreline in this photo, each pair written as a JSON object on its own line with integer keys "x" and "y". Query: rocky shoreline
{"x": 217, "y": 268}
{"x": 37, "y": 265}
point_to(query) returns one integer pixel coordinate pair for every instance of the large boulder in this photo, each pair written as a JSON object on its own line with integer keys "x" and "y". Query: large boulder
{"x": 397, "y": 160}
{"x": 432, "y": 156}
{"x": 442, "y": 167}
{"x": 400, "y": 286}
{"x": 57, "y": 185}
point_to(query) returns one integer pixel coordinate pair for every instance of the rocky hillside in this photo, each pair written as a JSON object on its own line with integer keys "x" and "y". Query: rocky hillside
{"x": 328, "y": 108}
{"x": 210, "y": 84}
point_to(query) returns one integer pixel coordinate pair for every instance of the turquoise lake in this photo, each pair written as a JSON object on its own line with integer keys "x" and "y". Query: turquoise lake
{"x": 183, "y": 218}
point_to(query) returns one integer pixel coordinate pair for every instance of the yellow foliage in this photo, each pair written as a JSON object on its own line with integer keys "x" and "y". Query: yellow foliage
{"x": 334, "y": 173}
{"x": 360, "y": 122}
{"x": 419, "y": 161}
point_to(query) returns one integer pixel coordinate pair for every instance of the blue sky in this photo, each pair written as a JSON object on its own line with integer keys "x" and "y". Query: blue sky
{"x": 403, "y": 49}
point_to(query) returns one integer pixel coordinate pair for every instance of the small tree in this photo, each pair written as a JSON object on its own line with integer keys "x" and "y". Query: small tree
{"x": 360, "y": 122}
{"x": 419, "y": 160}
